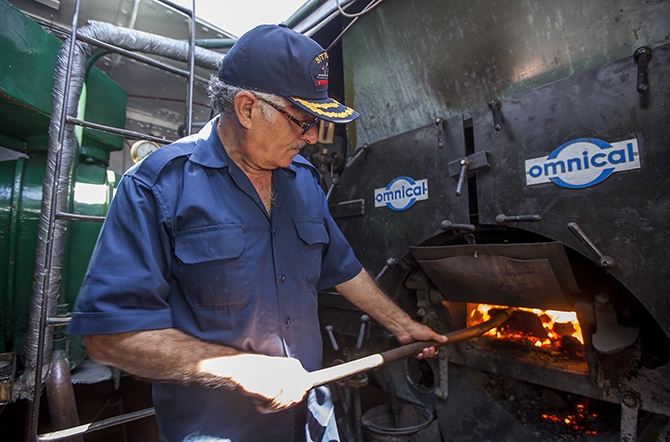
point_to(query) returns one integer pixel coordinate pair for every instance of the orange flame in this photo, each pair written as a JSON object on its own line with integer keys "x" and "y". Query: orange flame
{"x": 556, "y": 324}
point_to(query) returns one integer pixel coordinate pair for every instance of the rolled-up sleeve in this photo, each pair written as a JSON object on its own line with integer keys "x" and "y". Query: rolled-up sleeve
{"x": 126, "y": 285}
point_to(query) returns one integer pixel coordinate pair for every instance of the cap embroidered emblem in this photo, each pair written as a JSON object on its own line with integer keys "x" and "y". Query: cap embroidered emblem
{"x": 320, "y": 74}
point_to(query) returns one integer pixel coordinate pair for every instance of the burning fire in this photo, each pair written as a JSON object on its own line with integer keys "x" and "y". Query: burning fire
{"x": 552, "y": 328}
{"x": 577, "y": 421}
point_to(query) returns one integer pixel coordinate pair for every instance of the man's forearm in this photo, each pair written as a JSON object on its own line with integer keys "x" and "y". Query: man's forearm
{"x": 362, "y": 291}
{"x": 165, "y": 355}
{"x": 169, "y": 355}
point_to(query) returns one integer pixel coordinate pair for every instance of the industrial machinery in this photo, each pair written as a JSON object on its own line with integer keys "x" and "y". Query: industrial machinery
{"x": 508, "y": 154}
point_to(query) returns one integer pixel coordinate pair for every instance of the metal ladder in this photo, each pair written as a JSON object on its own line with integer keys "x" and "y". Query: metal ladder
{"x": 47, "y": 323}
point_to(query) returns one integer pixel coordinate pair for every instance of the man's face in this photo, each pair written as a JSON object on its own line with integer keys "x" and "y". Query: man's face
{"x": 280, "y": 138}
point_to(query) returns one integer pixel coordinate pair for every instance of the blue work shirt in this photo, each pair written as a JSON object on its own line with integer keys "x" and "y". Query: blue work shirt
{"x": 188, "y": 244}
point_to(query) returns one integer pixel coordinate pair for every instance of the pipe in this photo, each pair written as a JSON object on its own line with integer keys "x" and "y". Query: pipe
{"x": 40, "y": 307}
{"x": 327, "y": 12}
{"x": 61, "y": 138}
{"x": 305, "y": 11}
{"x": 216, "y": 43}
{"x": 191, "y": 70}
{"x": 60, "y": 397}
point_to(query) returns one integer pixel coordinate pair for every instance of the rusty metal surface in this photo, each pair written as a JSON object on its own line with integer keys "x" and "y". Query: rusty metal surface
{"x": 407, "y": 63}
{"x": 521, "y": 275}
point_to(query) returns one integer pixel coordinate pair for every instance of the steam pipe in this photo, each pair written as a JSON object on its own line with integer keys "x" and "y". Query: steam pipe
{"x": 40, "y": 307}
{"x": 216, "y": 43}
{"x": 61, "y": 153}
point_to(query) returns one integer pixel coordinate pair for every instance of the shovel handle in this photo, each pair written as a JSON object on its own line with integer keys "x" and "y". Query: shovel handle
{"x": 336, "y": 372}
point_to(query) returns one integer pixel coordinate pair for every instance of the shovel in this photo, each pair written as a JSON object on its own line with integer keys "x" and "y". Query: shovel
{"x": 330, "y": 374}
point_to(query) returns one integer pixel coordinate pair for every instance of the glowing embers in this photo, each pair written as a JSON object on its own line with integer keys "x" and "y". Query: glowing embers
{"x": 556, "y": 332}
{"x": 580, "y": 420}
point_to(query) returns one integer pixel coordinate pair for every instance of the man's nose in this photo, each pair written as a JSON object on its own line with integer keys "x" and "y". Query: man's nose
{"x": 312, "y": 135}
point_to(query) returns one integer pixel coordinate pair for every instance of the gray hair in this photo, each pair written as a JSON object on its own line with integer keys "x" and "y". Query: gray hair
{"x": 222, "y": 96}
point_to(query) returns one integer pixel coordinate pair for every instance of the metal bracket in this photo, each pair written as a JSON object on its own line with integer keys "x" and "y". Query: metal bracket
{"x": 347, "y": 208}
{"x": 329, "y": 330}
{"x": 442, "y": 388}
{"x": 630, "y": 405}
{"x": 610, "y": 337}
{"x": 365, "y": 322}
{"x": 333, "y": 184}
{"x": 604, "y": 261}
{"x": 7, "y": 373}
{"x": 387, "y": 265}
{"x": 440, "y": 132}
{"x": 359, "y": 152}
{"x": 642, "y": 56}
{"x": 494, "y": 105}
{"x": 446, "y": 225}
{"x": 463, "y": 166}
{"x": 503, "y": 219}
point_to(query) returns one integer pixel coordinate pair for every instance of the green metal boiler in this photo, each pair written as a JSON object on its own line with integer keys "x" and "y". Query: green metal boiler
{"x": 26, "y": 79}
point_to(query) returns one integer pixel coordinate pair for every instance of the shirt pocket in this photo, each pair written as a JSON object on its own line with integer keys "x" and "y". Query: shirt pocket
{"x": 313, "y": 239}
{"x": 211, "y": 269}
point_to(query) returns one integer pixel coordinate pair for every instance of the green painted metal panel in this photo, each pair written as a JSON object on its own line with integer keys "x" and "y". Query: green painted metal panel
{"x": 20, "y": 202}
{"x": 26, "y": 73}
{"x": 27, "y": 65}
{"x": 105, "y": 104}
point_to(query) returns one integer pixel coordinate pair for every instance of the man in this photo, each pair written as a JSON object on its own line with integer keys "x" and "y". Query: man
{"x": 206, "y": 272}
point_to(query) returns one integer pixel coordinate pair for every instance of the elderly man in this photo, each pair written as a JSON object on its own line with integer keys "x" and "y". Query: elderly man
{"x": 206, "y": 272}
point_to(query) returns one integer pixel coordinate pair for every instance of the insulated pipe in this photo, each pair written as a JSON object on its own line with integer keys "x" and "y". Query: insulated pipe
{"x": 216, "y": 43}
{"x": 48, "y": 285}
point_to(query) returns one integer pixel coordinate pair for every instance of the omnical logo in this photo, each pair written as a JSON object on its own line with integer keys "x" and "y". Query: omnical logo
{"x": 583, "y": 162}
{"x": 401, "y": 193}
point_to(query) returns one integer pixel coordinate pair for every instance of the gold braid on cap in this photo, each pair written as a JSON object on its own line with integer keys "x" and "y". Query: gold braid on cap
{"x": 319, "y": 108}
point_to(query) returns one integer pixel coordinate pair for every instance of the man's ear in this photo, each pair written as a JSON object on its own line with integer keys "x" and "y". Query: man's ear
{"x": 244, "y": 104}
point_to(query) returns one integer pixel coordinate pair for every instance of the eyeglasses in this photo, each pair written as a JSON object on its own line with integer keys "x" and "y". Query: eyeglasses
{"x": 303, "y": 125}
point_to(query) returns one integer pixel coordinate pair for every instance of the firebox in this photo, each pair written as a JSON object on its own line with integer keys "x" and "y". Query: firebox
{"x": 544, "y": 332}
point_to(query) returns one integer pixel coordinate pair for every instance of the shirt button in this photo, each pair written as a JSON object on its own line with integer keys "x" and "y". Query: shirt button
{"x": 282, "y": 278}
{"x": 287, "y": 322}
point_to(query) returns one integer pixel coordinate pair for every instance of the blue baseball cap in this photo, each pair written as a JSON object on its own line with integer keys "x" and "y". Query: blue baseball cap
{"x": 278, "y": 60}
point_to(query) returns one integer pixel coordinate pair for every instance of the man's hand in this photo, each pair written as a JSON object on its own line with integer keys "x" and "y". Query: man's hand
{"x": 362, "y": 291}
{"x": 277, "y": 382}
{"x": 420, "y": 332}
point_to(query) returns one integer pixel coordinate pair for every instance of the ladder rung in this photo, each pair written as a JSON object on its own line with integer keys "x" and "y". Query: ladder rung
{"x": 77, "y": 217}
{"x": 93, "y": 426}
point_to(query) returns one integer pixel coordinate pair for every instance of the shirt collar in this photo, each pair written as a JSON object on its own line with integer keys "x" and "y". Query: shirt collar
{"x": 209, "y": 151}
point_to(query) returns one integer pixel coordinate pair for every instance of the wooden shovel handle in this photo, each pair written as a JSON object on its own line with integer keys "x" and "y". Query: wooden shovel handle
{"x": 334, "y": 373}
